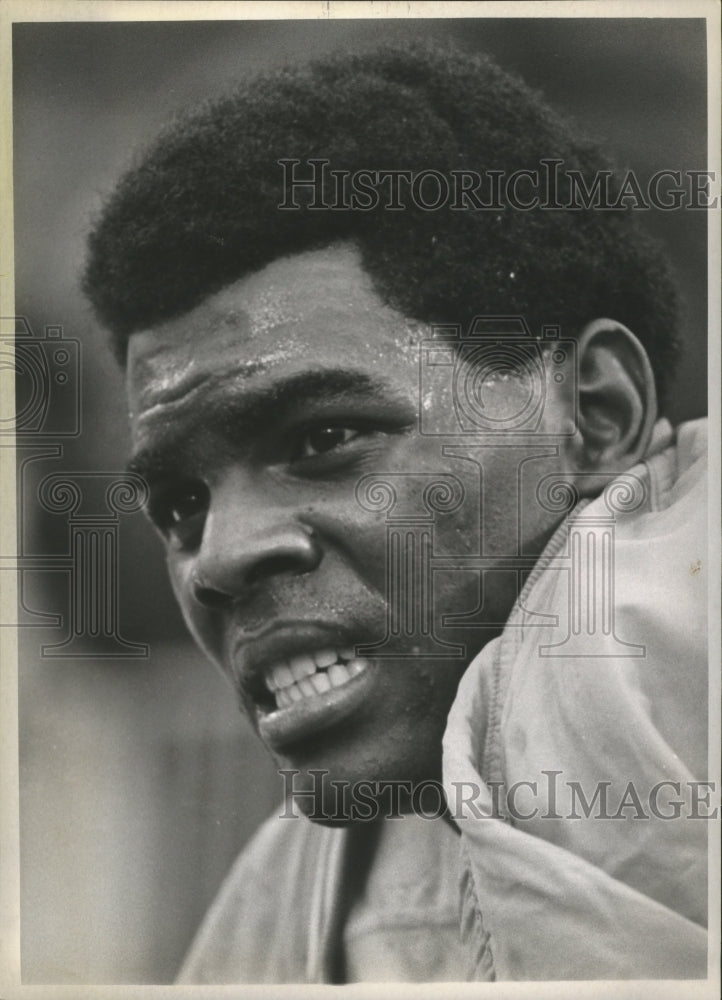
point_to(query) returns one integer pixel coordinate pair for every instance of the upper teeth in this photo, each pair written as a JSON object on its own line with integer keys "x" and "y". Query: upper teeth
{"x": 309, "y": 674}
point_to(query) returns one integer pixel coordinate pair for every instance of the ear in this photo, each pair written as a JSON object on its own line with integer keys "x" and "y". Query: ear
{"x": 617, "y": 402}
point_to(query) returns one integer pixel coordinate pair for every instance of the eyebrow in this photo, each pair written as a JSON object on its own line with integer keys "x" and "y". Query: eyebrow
{"x": 242, "y": 414}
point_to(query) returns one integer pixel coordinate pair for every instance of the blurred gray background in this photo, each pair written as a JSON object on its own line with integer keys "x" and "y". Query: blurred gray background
{"x": 139, "y": 780}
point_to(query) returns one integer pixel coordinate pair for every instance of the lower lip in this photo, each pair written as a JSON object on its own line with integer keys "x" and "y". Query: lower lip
{"x": 306, "y": 718}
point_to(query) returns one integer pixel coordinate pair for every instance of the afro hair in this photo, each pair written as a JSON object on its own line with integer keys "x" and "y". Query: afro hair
{"x": 201, "y": 208}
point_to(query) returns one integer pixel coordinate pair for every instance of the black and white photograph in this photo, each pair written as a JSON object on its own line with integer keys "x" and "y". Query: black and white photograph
{"x": 360, "y": 570}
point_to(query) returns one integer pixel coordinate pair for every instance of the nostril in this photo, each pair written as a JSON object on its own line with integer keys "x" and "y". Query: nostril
{"x": 228, "y": 566}
{"x": 279, "y": 565}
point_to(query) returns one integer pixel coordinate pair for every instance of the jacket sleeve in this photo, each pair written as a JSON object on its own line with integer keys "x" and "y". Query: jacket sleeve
{"x": 549, "y": 914}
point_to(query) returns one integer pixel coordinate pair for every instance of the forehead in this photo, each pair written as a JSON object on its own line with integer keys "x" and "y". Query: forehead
{"x": 313, "y": 310}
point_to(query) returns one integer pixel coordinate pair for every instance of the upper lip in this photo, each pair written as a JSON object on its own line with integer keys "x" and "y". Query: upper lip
{"x": 252, "y": 655}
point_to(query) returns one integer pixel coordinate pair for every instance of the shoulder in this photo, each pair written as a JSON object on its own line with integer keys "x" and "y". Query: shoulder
{"x": 256, "y": 929}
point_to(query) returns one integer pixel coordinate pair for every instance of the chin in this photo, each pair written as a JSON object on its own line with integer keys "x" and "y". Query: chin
{"x": 347, "y": 786}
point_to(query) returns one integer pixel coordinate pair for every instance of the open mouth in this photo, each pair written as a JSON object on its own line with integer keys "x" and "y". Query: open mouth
{"x": 310, "y": 692}
{"x": 311, "y": 674}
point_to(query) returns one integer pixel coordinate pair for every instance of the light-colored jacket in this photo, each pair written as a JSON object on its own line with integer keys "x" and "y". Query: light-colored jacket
{"x": 576, "y": 742}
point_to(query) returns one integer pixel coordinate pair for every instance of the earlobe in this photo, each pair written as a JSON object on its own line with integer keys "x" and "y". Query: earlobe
{"x": 617, "y": 401}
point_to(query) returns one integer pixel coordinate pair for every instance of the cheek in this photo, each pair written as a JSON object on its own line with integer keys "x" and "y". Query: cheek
{"x": 426, "y": 687}
{"x": 358, "y": 536}
{"x": 416, "y": 702}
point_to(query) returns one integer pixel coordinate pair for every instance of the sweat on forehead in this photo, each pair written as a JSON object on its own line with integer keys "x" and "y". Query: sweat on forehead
{"x": 279, "y": 293}
{"x": 285, "y": 296}
{"x": 306, "y": 312}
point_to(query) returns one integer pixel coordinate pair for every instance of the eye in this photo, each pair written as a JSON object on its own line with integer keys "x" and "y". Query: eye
{"x": 180, "y": 511}
{"x": 325, "y": 438}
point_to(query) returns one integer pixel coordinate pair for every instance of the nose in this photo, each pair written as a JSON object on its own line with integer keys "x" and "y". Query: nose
{"x": 244, "y": 545}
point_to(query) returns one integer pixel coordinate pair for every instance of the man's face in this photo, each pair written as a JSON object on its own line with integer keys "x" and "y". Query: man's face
{"x": 254, "y": 417}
